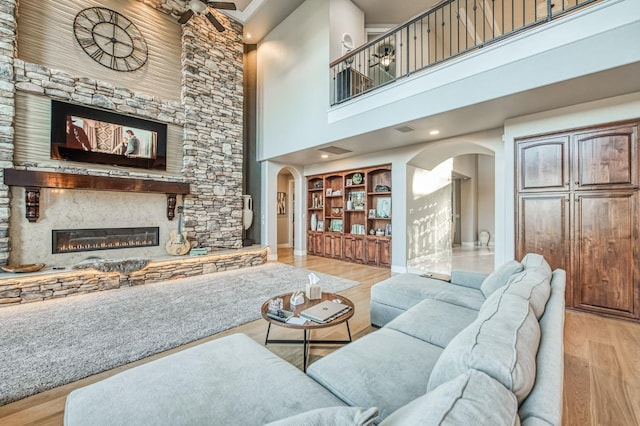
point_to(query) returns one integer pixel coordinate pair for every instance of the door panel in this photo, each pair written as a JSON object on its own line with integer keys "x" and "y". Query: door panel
{"x": 604, "y": 245}
{"x": 544, "y": 164}
{"x": 605, "y": 158}
{"x": 543, "y": 228}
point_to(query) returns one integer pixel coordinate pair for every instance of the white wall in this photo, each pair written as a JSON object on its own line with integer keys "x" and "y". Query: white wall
{"x": 486, "y": 191}
{"x": 344, "y": 17}
{"x": 293, "y": 81}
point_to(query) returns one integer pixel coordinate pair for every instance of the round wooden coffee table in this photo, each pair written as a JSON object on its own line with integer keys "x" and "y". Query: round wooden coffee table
{"x": 309, "y": 325}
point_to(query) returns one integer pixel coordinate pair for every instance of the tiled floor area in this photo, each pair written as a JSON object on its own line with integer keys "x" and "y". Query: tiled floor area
{"x": 471, "y": 258}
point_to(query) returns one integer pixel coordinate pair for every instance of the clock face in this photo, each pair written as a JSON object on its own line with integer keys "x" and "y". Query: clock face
{"x": 110, "y": 39}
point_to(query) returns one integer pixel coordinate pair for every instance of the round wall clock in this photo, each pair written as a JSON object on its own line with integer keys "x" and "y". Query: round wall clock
{"x": 110, "y": 39}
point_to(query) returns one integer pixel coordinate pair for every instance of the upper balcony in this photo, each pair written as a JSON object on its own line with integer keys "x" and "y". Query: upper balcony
{"x": 448, "y": 30}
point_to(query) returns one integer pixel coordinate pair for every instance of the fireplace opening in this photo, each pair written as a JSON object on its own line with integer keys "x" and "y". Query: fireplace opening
{"x": 74, "y": 240}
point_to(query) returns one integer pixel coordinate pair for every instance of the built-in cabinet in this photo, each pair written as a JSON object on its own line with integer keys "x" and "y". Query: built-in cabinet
{"x": 577, "y": 204}
{"x": 349, "y": 215}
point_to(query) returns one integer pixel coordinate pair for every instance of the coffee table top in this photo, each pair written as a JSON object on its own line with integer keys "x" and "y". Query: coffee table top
{"x": 296, "y": 309}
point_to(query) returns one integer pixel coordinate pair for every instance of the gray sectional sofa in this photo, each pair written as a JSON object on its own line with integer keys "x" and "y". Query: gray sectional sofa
{"x": 476, "y": 350}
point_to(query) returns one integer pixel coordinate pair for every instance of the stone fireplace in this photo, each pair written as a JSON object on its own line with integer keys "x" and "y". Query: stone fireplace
{"x": 205, "y": 131}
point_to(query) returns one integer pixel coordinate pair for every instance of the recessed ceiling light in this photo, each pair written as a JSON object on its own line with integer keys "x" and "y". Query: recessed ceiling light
{"x": 434, "y": 132}
{"x": 247, "y": 36}
{"x": 324, "y": 156}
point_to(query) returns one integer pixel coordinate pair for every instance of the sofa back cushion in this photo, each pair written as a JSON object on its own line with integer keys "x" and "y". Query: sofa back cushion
{"x": 500, "y": 277}
{"x": 502, "y": 342}
{"x": 535, "y": 261}
{"x": 468, "y": 399}
{"x": 531, "y": 285}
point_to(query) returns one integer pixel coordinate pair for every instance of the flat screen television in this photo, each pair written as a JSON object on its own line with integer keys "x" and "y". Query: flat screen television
{"x": 90, "y": 135}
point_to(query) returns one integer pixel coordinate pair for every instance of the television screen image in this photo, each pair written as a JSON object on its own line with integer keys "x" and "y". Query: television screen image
{"x": 89, "y": 135}
{"x": 97, "y": 136}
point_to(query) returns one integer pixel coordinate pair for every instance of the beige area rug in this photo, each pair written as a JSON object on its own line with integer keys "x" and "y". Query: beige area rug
{"x": 47, "y": 344}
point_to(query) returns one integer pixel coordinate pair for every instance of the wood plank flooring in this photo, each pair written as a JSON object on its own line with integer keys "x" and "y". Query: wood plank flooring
{"x": 602, "y": 366}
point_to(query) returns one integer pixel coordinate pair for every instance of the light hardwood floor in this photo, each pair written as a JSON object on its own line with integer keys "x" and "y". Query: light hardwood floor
{"x": 602, "y": 367}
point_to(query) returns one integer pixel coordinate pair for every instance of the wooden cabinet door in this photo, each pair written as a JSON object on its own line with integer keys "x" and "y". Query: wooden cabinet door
{"x": 318, "y": 245}
{"x": 543, "y": 228}
{"x": 333, "y": 246}
{"x": 543, "y": 164}
{"x": 354, "y": 249}
{"x": 606, "y": 158}
{"x": 311, "y": 246}
{"x": 605, "y": 246}
{"x": 384, "y": 253}
{"x": 371, "y": 251}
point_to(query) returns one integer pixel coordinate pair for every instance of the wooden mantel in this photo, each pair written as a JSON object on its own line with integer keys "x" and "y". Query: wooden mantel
{"x": 32, "y": 181}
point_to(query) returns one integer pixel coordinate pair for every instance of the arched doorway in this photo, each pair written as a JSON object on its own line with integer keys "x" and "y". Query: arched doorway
{"x": 285, "y": 208}
{"x": 450, "y": 199}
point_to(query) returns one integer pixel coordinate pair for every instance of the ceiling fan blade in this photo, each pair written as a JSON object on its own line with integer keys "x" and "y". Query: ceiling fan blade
{"x": 185, "y": 16}
{"x": 215, "y": 22}
{"x": 225, "y": 5}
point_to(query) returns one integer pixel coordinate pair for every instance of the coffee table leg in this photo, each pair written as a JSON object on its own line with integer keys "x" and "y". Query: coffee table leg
{"x": 266, "y": 339}
{"x": 348, "y": 330}
{"x": 305, "y": 346}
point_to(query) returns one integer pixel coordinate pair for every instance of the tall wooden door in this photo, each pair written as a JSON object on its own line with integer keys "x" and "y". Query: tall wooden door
{"x": 604, "y": 252}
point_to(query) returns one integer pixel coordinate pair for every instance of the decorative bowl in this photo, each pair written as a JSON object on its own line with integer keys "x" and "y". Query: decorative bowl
{"x": 23, "y": 268}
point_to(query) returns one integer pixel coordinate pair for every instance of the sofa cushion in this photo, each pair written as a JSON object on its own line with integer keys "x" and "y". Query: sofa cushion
{"x": 232, "y": 381}
{"x": 502, "y": 342}
{"x": 471, "y": 398}
{"x": 406, "y": 290}
{"x": 384, "y": 369}
{"x": 500, "y": 277}
{"x": 346, "y": 416}
{"x": 534, "y": 261}
{"x": 532, "y": 286}
{"x": 466, "y": 278}
{"x": 434, "y": 321}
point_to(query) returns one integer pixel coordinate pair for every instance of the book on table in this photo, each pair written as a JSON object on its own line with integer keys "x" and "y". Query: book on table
{"x": 325, "y": 311}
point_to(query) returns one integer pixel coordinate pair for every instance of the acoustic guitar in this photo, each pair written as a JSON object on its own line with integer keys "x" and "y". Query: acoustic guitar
{"x": 178, "y": 244}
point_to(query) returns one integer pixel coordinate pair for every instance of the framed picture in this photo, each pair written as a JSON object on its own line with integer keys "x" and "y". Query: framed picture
{"x": 383, "y": 209}
{"x": 349, "y": 182}
{"x": 329, "y": 191}
{"x": 372, "y": 213}
{"x": 282, "y": 203}
{"x": 320, "y": 226}
{"x": 387, "y": 230}
{"x": 336, "y": 225}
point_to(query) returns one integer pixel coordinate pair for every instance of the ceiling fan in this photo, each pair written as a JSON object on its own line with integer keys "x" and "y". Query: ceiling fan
{"x": 202, "y": 7}
{"x": 385, "y": 56}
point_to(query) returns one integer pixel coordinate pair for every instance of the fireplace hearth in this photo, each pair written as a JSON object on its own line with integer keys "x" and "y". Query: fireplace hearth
{"x": 75, "y": 240}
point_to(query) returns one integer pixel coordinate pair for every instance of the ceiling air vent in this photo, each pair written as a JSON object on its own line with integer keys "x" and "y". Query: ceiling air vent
{"x": 404, "y": 129}
{"x": 334, "y": 150}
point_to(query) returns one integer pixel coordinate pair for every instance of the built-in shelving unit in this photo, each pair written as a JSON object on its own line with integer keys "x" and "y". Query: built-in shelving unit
{"x": 349, "y": 215}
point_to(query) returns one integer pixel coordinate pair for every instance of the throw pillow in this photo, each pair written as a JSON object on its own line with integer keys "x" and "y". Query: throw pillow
{"x": 502, "y": 342}
{"x": 469, "y": 399}
{"x": 331, "y": 416}
{"x": 500, "y": 277}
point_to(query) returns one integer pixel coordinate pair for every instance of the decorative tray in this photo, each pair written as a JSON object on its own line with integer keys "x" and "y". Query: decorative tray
{"x": 23, "y": 268}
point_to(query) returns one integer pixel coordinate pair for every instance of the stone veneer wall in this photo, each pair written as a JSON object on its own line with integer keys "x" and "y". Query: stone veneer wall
{"x": 57, "y": 284}
{"x": 210, "y": 113}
